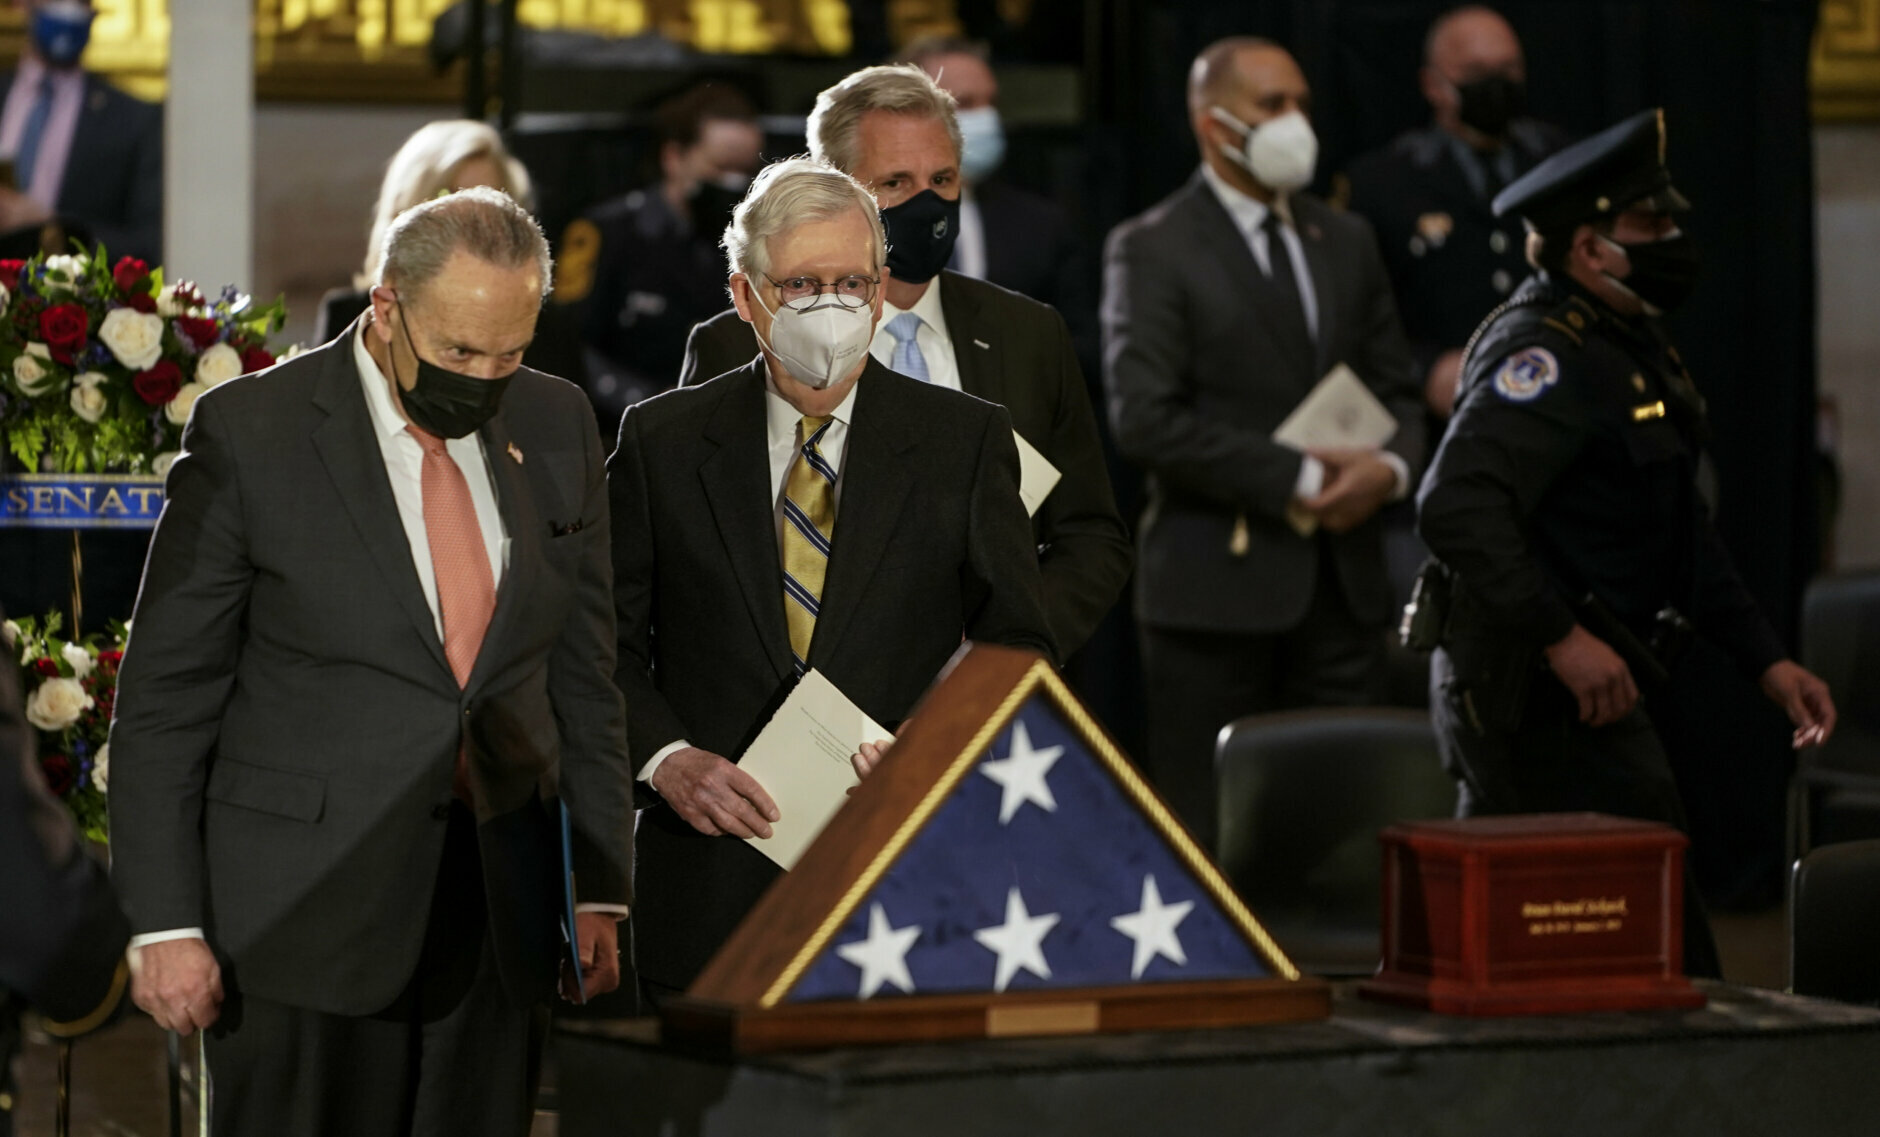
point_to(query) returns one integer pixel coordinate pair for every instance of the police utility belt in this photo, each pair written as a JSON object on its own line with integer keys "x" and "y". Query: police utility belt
{"x": 1430, "y": 620}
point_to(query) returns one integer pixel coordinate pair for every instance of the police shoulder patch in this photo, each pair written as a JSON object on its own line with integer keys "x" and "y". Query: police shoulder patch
{"x": 1527, "y": 373}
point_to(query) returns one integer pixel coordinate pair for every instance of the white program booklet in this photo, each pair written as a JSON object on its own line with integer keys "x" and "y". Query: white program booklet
{"x": 1340, "y": 413}
{"x": 801, "y": 758}
{"x": 1037, "y": 477}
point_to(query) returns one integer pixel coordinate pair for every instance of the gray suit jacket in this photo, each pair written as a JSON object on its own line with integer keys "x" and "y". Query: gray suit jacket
{"x": 1199, "y": 376}
{"x": 287, "y": 724}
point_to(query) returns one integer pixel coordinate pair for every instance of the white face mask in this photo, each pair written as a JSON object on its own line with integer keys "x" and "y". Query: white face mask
{"x": 1281, "y": 152}
{"x": 821, "y": 346}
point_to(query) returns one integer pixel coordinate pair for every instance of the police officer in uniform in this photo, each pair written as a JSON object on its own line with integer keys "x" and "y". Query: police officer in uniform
{"x": 1564, "y": 512}
{"x": 1430, "y": 192}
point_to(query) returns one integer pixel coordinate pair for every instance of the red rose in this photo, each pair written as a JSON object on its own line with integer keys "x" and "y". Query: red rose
{"x": 256, "y": 358}
{"x": 129, "y": 273}
{"x": 10, "y": 274}
{"x": 109, "y": 658}
{"x": 59, "y": 773}
{"x": 141, "y": 302}
{"x": 199, "y": 330}
{"x": 158, "y": 385}
{"x": 63, "y": 327}
{"x": 46, "y": 667}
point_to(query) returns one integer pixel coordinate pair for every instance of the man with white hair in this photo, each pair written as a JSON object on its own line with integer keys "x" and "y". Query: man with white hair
{"x": 374, "y": 638}
{"x": 897, "y": 133}
{"x": 809, "y": 509}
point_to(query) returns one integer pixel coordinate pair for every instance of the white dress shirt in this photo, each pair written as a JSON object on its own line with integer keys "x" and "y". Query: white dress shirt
{"x": 936, "y": 347}
{"x": 969, "y": 248}
{"x": 1249, "y": 216}
{"x": 780, "y": 422}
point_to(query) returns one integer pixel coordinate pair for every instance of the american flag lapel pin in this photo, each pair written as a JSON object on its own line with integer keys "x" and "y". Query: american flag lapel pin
{"x": 515, "y": 452}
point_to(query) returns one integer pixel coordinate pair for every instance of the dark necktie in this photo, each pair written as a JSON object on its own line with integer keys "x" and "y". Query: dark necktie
{"x": 1290, "y": 310}
{"x": 31, "y": 135}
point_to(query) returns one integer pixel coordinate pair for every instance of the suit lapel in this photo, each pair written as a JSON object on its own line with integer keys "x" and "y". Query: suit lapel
{"x": 736, "y": 481}
{"x": 1320, "y": 265}
{"x": 980, "y": 373}
{"x": 1223, "y": 243}
{"x": 522, "y": 520}
{"x": 876, "y": 479}
{"x": 350, "y": 452}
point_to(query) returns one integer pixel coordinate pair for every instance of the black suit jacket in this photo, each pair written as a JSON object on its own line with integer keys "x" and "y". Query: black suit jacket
{"x": 1015, "y": 352}
{"x": 1032, "y": 249}
{"x": 1199, "y": 377}
{"x": 287, "y": 724}
{"x": 114, "y": 174}
{"x": 931, "y": 546}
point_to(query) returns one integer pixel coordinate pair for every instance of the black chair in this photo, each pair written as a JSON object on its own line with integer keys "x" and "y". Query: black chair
{"x": 1837, "y": 786}
{"x": 1303, "y": 796}
{"x": 1834, "y": 923}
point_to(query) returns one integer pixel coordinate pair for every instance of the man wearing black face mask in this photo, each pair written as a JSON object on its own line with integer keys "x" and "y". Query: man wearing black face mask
{"x": 896, "y": 132}
{"x": 1428, "y": 193}
{"x": 82, "y": 150}
{"x": 375, "y": 637}
{"x": 642, "y": 268}
{"x": 1563, "y": 505}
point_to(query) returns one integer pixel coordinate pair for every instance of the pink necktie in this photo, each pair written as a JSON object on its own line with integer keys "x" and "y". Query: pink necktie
{"x": 466, "y": 589}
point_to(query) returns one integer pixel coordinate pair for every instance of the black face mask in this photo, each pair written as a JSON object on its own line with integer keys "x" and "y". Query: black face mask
{"x": 711, "y": 207}
{"x": 1663, "y": 272}
{"x": 1490, "y": 103}
{"x": 445, "y": 403}
{"x": 921, "y": 232}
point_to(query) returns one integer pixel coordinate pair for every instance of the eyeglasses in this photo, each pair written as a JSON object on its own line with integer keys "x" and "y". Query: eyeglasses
{"x": 801, "y": 292}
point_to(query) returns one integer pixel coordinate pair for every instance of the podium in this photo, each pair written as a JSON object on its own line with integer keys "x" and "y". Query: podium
{"x": 1004, "y": 872}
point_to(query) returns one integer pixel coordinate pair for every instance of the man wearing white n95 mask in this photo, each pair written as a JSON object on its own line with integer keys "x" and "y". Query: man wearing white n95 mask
{"x": 1260, "y": 583}
{"x": 809, "y": 509}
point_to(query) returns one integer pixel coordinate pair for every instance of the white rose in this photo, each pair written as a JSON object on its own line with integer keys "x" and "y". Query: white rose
{"x": 168, "y": 304}
{"x": 6, "y": 299}
{"x": 88, "y": 398}
{"x": 160, "y": 466}
{"x": 57, "y": 704}
{"x": 101, "y": 769}
{"x": 218, "y": 365}
{"x": 177, "y": 411}
{"x": 65, "y": 269}
{"x": 136, "y": 338}
{"x": 78, "y": 658}
{"x": 31, "y": 372}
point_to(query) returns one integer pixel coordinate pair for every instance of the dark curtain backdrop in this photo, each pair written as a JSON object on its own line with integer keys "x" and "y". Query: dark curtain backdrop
{"x": 1732, "y": 77}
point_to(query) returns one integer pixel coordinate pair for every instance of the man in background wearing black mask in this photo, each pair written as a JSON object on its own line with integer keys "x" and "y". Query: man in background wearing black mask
{"x": 1428, "y": 192}
{"x": 895, "y": 131}
{"x": 642, "y": 268}
{"x": 1564, "y": 508}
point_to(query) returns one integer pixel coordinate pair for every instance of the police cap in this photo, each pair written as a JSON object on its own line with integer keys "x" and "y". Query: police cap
{"x": 1599, "y": 177}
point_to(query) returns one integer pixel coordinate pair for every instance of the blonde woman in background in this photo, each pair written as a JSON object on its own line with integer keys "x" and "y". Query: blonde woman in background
{"x": 444, "y": 157}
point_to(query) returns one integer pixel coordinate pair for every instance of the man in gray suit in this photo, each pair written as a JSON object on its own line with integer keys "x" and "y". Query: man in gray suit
{"x": 375, "y": 640}
{"x": 1261, "y": 580}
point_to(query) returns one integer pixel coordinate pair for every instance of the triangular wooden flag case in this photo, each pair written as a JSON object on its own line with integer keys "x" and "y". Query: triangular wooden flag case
{"x": 1005, "y": 872}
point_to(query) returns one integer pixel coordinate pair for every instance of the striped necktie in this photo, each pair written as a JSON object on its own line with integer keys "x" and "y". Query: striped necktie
{"x": 809, "y": 516}
{"x": 907, "y": 358}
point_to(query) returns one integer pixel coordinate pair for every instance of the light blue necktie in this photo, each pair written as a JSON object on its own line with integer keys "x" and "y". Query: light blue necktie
{"x": 31, "y": 135}
{"x": 907, "y": 357}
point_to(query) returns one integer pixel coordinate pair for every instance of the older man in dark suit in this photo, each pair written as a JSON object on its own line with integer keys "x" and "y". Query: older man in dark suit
{"x": 808, "y": 509}
{"x": 1262, "y": 580}
{"x": 83, "y": 151}
{"x": 375, "y": 639}
{"x": 895, "y": 131}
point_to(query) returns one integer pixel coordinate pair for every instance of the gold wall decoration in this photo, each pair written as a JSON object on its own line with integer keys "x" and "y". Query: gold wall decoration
{"x": 375, "y": 50}
{"x": 1844, "y": 67}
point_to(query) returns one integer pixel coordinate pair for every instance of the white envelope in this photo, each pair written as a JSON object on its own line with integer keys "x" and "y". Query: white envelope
{"x": 1339, "y": 413}
{"x": 1037, "y": 477}
{"x": 801, "y": 758}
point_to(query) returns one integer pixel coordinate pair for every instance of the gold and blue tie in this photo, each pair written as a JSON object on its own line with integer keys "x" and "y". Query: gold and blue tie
{"x": 809, "y": 522}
